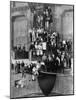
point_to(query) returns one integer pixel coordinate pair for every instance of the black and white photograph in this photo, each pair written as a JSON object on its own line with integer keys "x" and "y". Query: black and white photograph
{"x": 41, "y": 49}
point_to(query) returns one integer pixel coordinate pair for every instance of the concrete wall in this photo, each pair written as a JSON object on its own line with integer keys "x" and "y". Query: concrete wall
{"x": 59, "y": 15}
{"x": 67, "y": 25}
{"x": 21, "y": 23}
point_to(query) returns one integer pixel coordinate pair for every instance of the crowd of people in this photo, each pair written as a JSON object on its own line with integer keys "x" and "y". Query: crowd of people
{"x": 45, "y": 42}
{"x": 43, "y": 19}
{"x": 20, "y": 52}
{"x": 55, "y": 53}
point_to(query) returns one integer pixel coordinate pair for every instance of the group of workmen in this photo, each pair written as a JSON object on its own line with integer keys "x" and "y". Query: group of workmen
{"x": 20, "y": 52}
{"x": 54, "y": 52}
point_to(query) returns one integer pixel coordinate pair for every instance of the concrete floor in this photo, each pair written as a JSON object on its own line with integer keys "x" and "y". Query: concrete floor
{"x": 63, "y": 85}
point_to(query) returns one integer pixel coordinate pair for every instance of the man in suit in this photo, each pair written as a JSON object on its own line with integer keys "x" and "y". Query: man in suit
{"x": 23, "y": 69}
